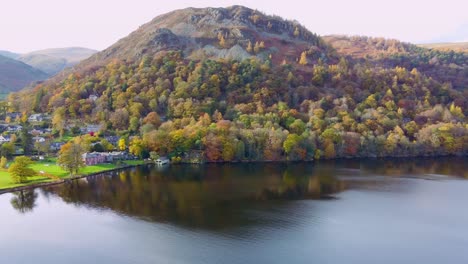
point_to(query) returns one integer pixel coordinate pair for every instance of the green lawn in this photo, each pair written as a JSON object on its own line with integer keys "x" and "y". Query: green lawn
{"x": 134, "y": 162}
{"x": 5, "y": 180}
{"x": 51, "y": 168}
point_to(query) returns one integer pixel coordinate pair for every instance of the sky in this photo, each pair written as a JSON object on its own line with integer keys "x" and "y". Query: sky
{"x": 28, "y": 25}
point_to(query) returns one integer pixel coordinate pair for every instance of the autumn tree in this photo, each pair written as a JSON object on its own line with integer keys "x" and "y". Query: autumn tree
{"x": 153, "y": 119}
{"x": 303, "y": 59}
{"x": 3, "y": 162}
{"x": 257, "y": 47}
{"x": 70, "y": 157}
{"x": 122, "y": 144}
{"x": 222, "y": 40}
{"x": 58, "y": 120}
{"x": 120, "y": 119}
{"x": 249, "y": 47}
{"x": 20, "y": 170}
{"x": 137, "y": 147}
{"x": 291, "y": 144}
{"x": 296, "y": 32}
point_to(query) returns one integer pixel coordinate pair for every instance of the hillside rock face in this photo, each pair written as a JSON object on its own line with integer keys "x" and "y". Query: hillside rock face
{"x": 195, "y": 31}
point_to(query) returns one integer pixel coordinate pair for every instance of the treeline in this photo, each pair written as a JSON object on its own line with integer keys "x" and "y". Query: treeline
{"x": 254, "y": 110}
{"x": 444, "y": 66}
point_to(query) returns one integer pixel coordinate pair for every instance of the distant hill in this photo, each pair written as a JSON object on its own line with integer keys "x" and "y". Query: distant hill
{"x": 15, "y": 75}
{"x": 455, "y": 46}
{"x": 52, "y": 61}
{"x": 9, "y": 54}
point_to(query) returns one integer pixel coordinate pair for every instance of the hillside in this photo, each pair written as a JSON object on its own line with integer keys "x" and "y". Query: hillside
{"x": 52, "y": 61}
{"x": 15, "y": 75}
{"x": 455, "y": 46}
{"x": 444, "y": 66}
{"x": 229, "y": 84}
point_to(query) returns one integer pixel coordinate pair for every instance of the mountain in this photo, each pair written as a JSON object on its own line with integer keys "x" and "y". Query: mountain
{"x": 52, "y": 61}
{"x": 230, "y": 84}
{"x": 15, "y": 75}
{"x": 455, "y": 46}
{"x": 198, "y": 32}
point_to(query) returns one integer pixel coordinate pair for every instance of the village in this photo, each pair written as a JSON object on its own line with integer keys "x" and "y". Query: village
{"x": 46, "y": 141}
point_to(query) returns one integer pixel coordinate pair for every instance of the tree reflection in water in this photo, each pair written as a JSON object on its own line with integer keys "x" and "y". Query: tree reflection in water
{"x": 24, "y": 201}
{"x": 218, "y": 196}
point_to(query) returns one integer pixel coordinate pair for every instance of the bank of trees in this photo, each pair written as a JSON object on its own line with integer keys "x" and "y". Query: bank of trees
{"x": 254, "y": 110}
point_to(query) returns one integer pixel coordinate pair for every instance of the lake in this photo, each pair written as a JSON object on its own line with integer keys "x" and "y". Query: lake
{"x": 344, "y": 211}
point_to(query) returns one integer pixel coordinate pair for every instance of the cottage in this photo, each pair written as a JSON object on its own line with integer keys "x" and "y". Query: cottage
{"x": 103, "y": 157}
{"x": 36, "y": 118}
{"x": 115, "y": 156}
{"x": 56, "y": 146}
{"x": 93, "y": 97}
{"x": 37, "y": 131}
{"x": 93, "y": 158}
{"x": 112, "y": 139}
{"x": 14, "y": 115}
{"x": 14, "y": 129}
{"x": 90, "y": 129}
{"x": 4, "y": 139}
{"x": 39, "y": 139}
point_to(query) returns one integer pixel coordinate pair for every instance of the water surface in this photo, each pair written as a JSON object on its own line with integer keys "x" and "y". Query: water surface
{"x": 349, "y": 211}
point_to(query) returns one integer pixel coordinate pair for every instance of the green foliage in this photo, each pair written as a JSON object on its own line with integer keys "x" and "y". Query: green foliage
{"x": 7, "y": 149}
{"x": 20, "y": 171}
{"x": 3, "y": 162}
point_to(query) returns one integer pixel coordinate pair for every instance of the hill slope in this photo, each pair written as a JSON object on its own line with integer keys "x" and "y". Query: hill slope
{"x": 455, "y": 46}
{"x": 235, "y": 84}
{"x": 444, "y": 66}
{"x": 15, "y": 75}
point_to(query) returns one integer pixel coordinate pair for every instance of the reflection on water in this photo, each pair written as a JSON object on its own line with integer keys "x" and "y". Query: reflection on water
{"x": 24, "y": 201}
{"x": 346, "y": 211}
{"x": 219, "y": 196}
{"x": 210, "y": 196}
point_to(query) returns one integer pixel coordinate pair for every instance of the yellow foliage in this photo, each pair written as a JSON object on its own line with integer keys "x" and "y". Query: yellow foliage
{"x": 303, "y": 59}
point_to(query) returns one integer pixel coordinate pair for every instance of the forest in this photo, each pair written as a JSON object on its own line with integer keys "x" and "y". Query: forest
{"x": 227, "y": 110}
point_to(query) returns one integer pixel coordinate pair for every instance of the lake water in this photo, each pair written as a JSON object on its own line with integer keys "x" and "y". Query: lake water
{"x": 348, "y": 211}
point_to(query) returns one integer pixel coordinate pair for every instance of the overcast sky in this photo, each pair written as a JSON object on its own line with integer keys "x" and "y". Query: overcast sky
{"x": 27, "y": 25}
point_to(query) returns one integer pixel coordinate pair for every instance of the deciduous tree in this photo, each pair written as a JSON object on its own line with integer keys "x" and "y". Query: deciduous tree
{"x": 20, "y": 170}
{"x": 70, "y": 157}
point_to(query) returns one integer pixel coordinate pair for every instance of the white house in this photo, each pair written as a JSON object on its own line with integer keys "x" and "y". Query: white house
{"x": 14, "y": 128}
{"x": 35, "y": 118}
{"x": 90, "y": 128}
{"x": 39, "y": 139}
{"x": 4, "y": 139}
{"x": 93, "y": 97}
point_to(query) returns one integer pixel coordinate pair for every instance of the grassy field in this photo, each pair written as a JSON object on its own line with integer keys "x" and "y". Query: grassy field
{"x": 55, "y": 172}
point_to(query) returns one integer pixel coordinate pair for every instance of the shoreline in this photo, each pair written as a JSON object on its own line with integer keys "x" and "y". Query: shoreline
{"x": 64, "y": 180}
